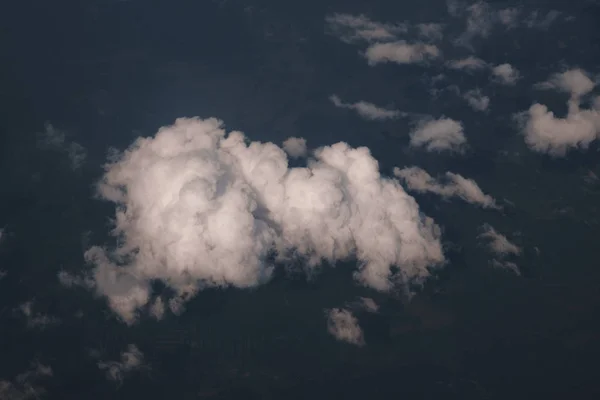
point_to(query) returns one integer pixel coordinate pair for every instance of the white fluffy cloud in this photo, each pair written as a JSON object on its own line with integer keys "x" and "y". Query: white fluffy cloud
{"x": 344, "y": 326}
{"x": 418, "y": 180}
{"x": 443, "y": 134}
{"x": 546, "y": 133}
{"x": 295, "y": 147}
{"x": 505, "y": 74}
{"x": 26, "y": 385}
{"x": 401, "y": 52}
{"x": 131, "y": 359}
{"x": 477, "y": 100}
{"x": 197, "y": 207}
{"x": 366, "y": 110}
{"x": 574, "y": 81}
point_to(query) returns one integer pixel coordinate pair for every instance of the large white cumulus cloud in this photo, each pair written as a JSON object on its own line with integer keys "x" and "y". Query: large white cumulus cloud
{"x": 197, "y": 207}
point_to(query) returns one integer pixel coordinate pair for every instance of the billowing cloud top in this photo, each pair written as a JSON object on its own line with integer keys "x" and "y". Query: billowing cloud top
{"x": 197, "y": 207}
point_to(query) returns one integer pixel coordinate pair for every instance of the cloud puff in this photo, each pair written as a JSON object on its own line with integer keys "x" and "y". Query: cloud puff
{"x": 366, "y": 110}
{"x": 295, "y": 147}
{"x": 573, "y": 81}
{"x": 477, "y": 100}
{"x": 350, "y": 28}
{"x": 501, "y": 247}
{"x": 443, "y": 134}
{"x": 418, "y": 180}
{"x": 498, "y": 243}
{"x": 344, "y": 326}
{"x": 198, "y": 208}
{"x": 25, "y": 386}
{"x": 468, "y": 63}
{"x": 401, "y": 52}
{"x": 505, "y": 74}
{"x": 131, "y": 359}
{"x": 546, "y": 133}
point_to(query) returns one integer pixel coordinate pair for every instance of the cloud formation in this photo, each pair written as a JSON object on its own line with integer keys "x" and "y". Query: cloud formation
{"x": 196, "y": 207}
{"x": 546, "y": 133}
{"x": 418, "y": 180}
{"x": 443, "y": 134}
{"x": 401, "y": 52}
{"x": 351, "y": 28}
{"x": 501, "y": 247}
{"x": 295, "y": 147}
{"x": 56, "y": 140}
{"x": 36, "y": 320}
{"x": 477, "y": 100}
{"x": 25, "y": 386}
{"x": 469, "y": 63}
{"x": 366, "y": 110}
{"x": 344, "y": 326}
{"x": 131, "y": 359}
{"x": 505, "y": 74}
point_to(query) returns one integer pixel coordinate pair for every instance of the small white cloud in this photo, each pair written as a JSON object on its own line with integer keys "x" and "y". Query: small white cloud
{"x": 498, "y": 243}
{"x": 545, "y": 133}
{"x": 574, "y": 81}
{"x": 477, "y": 100}
{"x": 401, "y": 52}
{"x": 68, "y": 280}
{"x": 295, "y": 147}
{"x": 418, "y": 180}
{"x": 344, "y": 326}
{"x": 468, "y": 63}
{"x": 505, "y": 74}
{"x": 157, "y": 310}
{"x": 442, "y": 134}
{"x": 366, "y": 110}
{"x": 351, "y": 28}
{"x": 131, "y": 359}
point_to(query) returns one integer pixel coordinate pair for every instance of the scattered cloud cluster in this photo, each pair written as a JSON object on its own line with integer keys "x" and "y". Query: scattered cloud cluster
{"x": 384, "y": 43}
{"x": 366, "y": 110}
{"x": 501, "y": 247}
{"x": 344, "y": 326}
{"x": 546, "y": 133}
{"x": 26, "y": 385}
{"x": 418, "y": 180}
{"x": 131, "y": 360}
{"x": 443, "y": 134}
{"x": 505, "y": 74}
{"x": 197, "y": 208}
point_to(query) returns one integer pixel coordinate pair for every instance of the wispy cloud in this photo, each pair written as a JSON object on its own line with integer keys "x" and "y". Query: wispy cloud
{"x": 366, "y": 110}
{"x": 418, "y": 180}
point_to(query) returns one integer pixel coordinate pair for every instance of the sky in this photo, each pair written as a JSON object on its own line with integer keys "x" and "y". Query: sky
{"x": 262, "y": 199}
